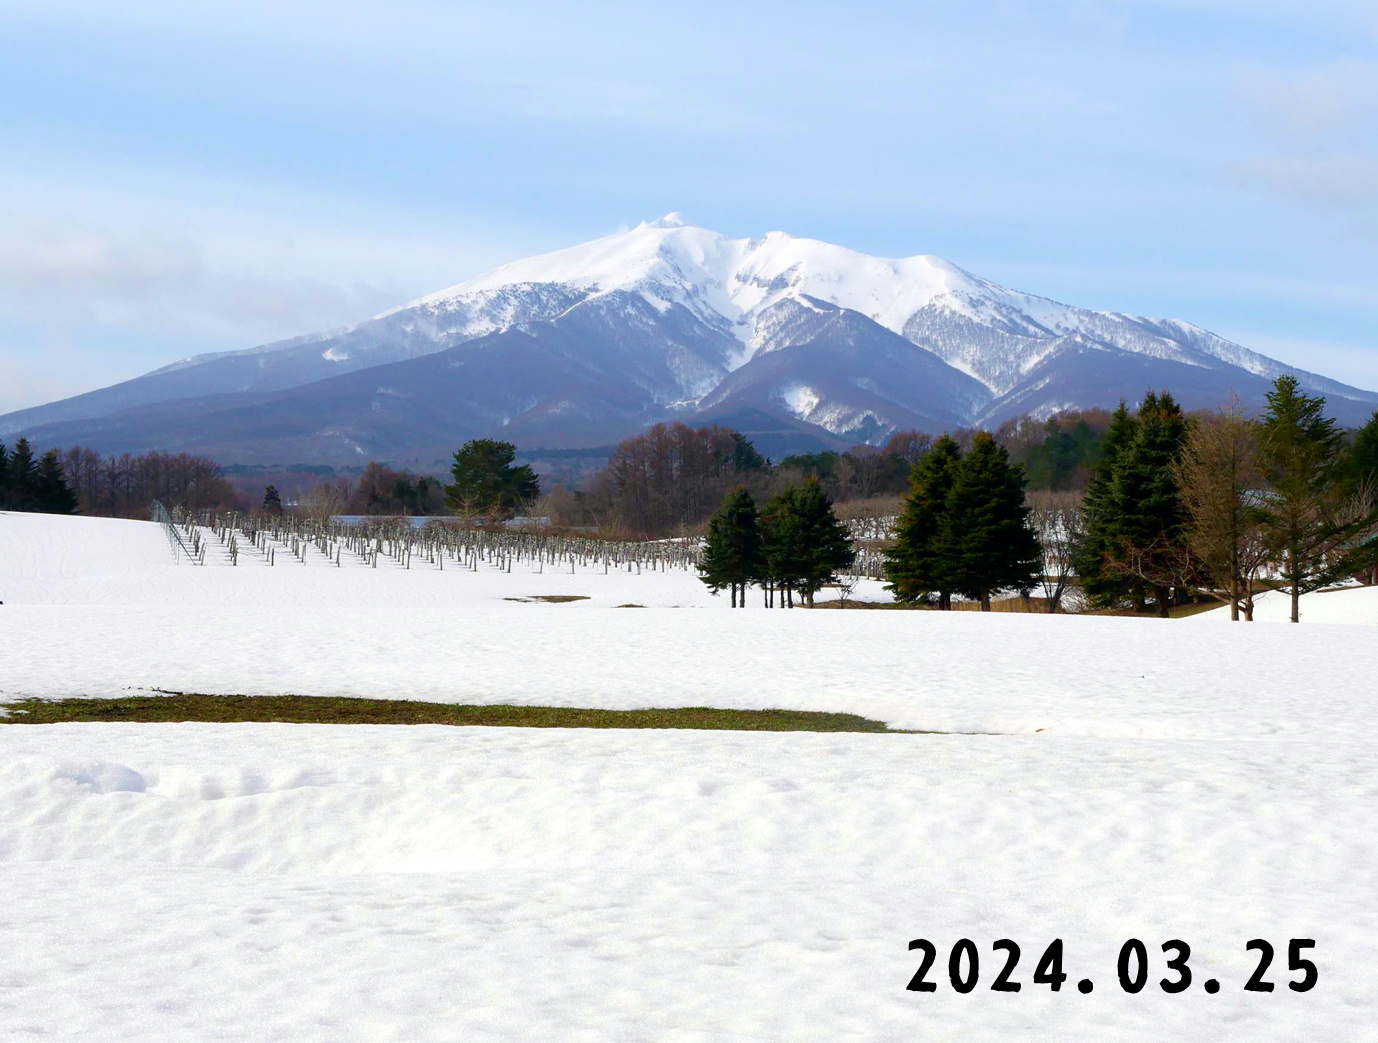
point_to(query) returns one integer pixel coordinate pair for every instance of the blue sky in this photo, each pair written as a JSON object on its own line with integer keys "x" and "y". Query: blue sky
{"x": 178, "y": 178}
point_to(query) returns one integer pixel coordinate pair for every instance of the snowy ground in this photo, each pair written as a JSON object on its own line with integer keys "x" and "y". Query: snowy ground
{"x": 1352, "y": 605}
{"x": 1151, "y": 779}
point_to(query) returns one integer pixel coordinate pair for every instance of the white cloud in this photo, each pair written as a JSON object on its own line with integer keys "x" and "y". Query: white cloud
{"x": 1347, "y": 183}
{"x": 102, "y": 282}
{"x": 64, "y": 274}
{"x": 1330, "y": 101}
{"x": 1322, "y": 124}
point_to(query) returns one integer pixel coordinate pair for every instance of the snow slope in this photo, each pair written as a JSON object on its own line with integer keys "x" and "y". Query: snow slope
{"x": 1355, "y": 605}
{"x": 1150, "y": 779}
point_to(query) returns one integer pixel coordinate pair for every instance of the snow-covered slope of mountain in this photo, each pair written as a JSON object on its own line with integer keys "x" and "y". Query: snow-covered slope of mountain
{"x": 672, "y": 321}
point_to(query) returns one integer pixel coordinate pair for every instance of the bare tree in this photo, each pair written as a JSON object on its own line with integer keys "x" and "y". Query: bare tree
{"x": 327, "y": 499}
{"x": 125, "y": 486}
{"x": 1057, "y": 518}
{"x": 1219, "y": 480}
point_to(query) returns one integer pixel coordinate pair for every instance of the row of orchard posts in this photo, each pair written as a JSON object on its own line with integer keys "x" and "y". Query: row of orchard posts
{"x": 396, "y": 543}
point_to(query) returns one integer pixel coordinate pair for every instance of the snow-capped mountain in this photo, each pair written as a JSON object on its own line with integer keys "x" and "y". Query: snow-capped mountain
{"x": 669, "y": 321}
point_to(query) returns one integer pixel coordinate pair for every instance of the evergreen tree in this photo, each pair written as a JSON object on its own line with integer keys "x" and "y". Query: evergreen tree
{"x": 781, "y": 544}
{"x": 486, "y": 483}
{"x": 1362, "y": 464}
{"x": 990, "y": 545}
{"x": 4, "y": 476}
{"x": 744, "y": 454}
{"x": 1304, "y": 523}
{"x": 1104, "y": 588}
{"x": 272, "y": 502}
{"x": 921, "y": 534}
{"x": 22, "y": 474}
{"x": 805, "y": 544}
{"x": 52, "y": 494}
{"x": 1056, "y": 461}
{"x": 825, "y": 545}
{"x": 1144, "y": 507}
{"x": 733, "y": 555}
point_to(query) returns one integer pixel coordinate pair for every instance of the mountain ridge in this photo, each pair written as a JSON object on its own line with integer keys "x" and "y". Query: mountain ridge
{"x": 669, "y": 321}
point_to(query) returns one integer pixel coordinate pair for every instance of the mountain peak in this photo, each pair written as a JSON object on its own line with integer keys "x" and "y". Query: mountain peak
{"x": 674, "y": 219}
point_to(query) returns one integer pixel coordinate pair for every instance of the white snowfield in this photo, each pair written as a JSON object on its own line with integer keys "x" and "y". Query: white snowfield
{"x": 1350, "y": 605}
{"x": 1144, "y": 778}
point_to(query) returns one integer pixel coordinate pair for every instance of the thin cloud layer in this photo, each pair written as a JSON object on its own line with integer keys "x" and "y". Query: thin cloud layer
{"x": 1322, "y": 125}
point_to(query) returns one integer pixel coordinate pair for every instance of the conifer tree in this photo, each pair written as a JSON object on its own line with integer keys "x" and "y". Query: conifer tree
{"x": 805, "y": 543}
{"x": 781, "y": 546}
{"x": 1362, "y": 463}
{"x": 1104, "y": 588}
{"x": 272, "y": 501}
{"x": 1304, "y": 517}
{"x": 22, "y": 473}
{"x": 487, "y": 483}
{"x": 912, "y": 563}
{"x": 52, "y": 494}
{"x": 745, "y": 456}
{"x": 992, "y": 546}
{"x": 733, "y": 555}
{"x": 4, "y": 475}
{"x": 1146, "y": 516}
{"x": 825, "y": 545}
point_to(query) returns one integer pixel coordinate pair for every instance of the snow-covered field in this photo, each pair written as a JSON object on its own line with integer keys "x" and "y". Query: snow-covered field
{"x": 1351, "y": 605}
{"x": 1143, "y": 778}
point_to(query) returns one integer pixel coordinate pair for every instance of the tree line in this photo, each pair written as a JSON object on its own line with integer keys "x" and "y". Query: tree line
{"x": 1220, "y": 505}
{"x": 964, "y": 530}
{"x": 125, "y": 486}
{"x": 1227, "y": 504}
{"x": 29, "y": 484}
{"x": 671, "y": 477}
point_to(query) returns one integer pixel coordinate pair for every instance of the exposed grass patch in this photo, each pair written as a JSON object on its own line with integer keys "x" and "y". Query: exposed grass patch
{"x": 552, "y": 599}
{"x": 301, "y": 709}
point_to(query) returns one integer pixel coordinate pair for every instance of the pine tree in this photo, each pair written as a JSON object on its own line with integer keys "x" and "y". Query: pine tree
{"x": 52, "y": 494}
{"x": 912, "y": 563}
{"x": 825, "y": 545}
{"x": 1361, "y": 466}
{"x": 272, "y": 502}
{"x": 733, "y": 555}
{"x": 4, "y": 476}
{"x": 1103, "y": 588}
{"x": 487, "y": 483}
{"x": 805, "y": 544}
{"x": 1145, "y": 507}
{"x": 992, "y": 546}
{"x": 1303, "y": 511}
{"x": 781, "y": 547}
{"x": 744, "y": 455}
{"x": 23, "y": 473}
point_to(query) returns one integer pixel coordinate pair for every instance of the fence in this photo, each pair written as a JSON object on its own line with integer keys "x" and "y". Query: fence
{"x": 179, "y": 545}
